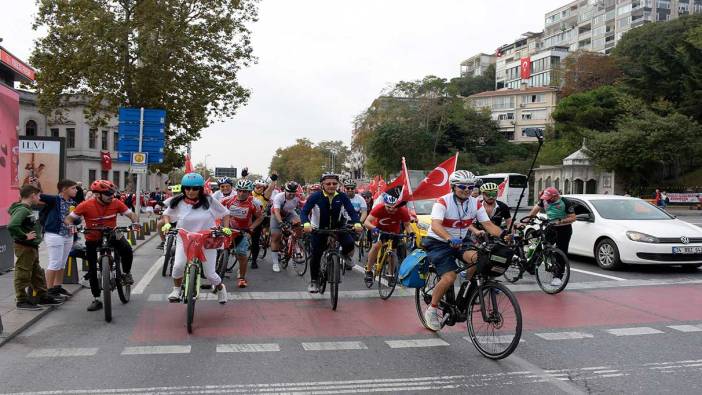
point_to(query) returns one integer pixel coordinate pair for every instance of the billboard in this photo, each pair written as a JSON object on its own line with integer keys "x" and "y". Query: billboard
{"x": 9, "y": 118}
{"x": 41, "y": 158}
{"x": 225, "y": 172}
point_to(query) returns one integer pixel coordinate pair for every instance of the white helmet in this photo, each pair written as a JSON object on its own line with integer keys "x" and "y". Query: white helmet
{"x": 462, "y": 177}
{"x": 260, "y": 182}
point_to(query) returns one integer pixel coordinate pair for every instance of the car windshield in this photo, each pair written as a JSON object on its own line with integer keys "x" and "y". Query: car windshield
{"x": 423, "y": 207}
{"x": 628, "y": 209}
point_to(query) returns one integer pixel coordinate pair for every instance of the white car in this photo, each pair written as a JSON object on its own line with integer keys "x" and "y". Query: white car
{"x": 617, "y": 230}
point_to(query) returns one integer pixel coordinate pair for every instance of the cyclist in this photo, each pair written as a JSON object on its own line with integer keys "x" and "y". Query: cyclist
{"x": 447, "y": 239}
{"x": 284, "y": 205}
{"x": 359, "y": 205}
{"x": 330, "y": 202}
{"x": 262, "y": 192}
{"x": 194, "y": 210}
{"x": 225, "y": 189}
{"x": 245, "y": 213}
{"x": 561, "y": 212}
{"x": 498, "y": 211}
{"x": 388, "y": 218}
{"x": 101, "y": 211}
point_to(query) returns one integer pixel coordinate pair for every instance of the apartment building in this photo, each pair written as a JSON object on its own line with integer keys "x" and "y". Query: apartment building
{"x": 476, "y": 65}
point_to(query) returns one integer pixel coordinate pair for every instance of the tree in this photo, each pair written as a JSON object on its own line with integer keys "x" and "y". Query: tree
{"x": 336, "y": 155}
{"x": 183, "y": 56}
{"x": 470, "y": 85}
{"x": 584, "y": 71}
{"x": 305, "y": 162}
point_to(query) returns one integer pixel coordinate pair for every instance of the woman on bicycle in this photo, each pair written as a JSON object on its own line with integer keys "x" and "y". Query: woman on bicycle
{"x": 195, "y": 210}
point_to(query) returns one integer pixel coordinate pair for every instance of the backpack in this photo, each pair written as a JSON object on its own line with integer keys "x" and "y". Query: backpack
{"x": 413, "y": 269}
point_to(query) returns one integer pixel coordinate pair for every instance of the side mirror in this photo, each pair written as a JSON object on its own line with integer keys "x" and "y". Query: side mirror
{"x": 585, "y": 217}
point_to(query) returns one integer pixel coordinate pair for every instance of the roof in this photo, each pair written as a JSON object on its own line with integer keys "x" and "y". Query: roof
{"x": 508, "y": 92}
{"x": 599, "y": 196}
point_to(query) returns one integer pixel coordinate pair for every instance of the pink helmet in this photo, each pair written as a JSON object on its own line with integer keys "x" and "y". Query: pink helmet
{"x": 549, "y": 193}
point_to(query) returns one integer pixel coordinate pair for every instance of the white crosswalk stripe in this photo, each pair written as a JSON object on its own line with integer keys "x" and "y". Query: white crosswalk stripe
{"x": 686, "y": 328}
{"x": 563, "y": 335}
{"x": 334, "y": 346}
{"x": 416, "y": 343}
{"x": 643, "y": 330}
{"x": 269, "y": 347}
{"x": 62, "y": 352}
{"x": 149, "y": 350}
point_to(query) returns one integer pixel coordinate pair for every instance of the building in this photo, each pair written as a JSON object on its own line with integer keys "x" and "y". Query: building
{"x": 84, "y": 142}
{"x": 544, "y": 62}
{"x": 518, "y": 109}
{"x": 476, "y": 66}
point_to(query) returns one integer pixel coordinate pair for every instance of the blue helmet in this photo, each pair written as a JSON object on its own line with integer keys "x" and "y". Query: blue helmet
{"x": 225, "y": 180}
{"x": 192, "y": 180}
{"x": 389, "y": 200}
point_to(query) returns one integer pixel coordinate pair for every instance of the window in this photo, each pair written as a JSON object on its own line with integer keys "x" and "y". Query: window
{"x": 625, "y": 8}
{"x": 105, "y": 175}
{"x": 115, "y": 141}
{"x": 104, "y": 140}
{"x": 526, "y": 116}
{"x": 92, "y": 176}
{"x": 505, "y": 116}
{"x": 115, "y": 178}
{"x": 536, "y": 98}
{"x": 92, "y": 138}
{"x": 624, "y": 22}
{"x": 54, "y": 132}
{"x": 30, "y": 128}
{"x": 70, "y": 137}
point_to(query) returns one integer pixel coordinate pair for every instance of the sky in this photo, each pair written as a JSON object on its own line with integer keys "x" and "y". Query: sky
{"x": 322, "y": 62}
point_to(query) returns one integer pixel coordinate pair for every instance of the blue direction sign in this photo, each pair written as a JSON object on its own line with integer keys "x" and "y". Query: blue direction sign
{"x": 153, "y": 133}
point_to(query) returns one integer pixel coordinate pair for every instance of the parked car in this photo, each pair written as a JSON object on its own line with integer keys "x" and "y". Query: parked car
{"x": 617, "y": 230}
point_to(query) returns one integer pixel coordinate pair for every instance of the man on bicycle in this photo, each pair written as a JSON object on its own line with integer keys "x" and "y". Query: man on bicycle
{"x": 262, "y": 192}
{"x": 497, "y": 211}
{"x": 284, "y": 205}
{"x": 101, "y": 211}
{"x": 245, "y": 214}
{"x": 386, "y": 218}
{"x": 359, "y": 205}
{"x": 226, "y": 185}
{"x": 448, "y": 239}
{"x": 330, "y": 203}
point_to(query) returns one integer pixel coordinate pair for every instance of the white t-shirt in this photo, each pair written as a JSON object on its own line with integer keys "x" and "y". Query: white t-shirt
{"x": 199, "y": 219}
{"x": 359, "y": 204}
{"x": 219, "y": 196}
{"x": 285, "y": 206}
{"x": 456, "y": 217}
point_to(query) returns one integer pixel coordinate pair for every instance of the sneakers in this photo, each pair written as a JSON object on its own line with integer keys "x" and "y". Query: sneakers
{"x": 254, "y": 265}
{"x": 221, "y": 294}
{"x": 431, "y": 318}
{"x": 276, "y": 267}
{"x": 127, "y": 279}
{"x": 62, "y": 291}
{"x": 348, "y": 263}
{"x": 242, "y": 283}
{"x": 49, "y": 300}
{"x": 368, "y": 279}
{"x": 313, "y": 288}
{"x": 95, "y": 305}
{"x": 174, "y": 296}
{"x": 160, "y": 246}
{"x": 556, "y": 282}
{"x": 56, "y": 294}
{"x": 25, "y": 305}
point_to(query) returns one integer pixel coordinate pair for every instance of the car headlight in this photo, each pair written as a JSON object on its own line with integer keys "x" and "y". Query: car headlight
{"x": 641, "y": 237}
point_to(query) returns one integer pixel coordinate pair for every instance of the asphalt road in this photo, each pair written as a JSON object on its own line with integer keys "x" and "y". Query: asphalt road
{"x": 638, "y": 330}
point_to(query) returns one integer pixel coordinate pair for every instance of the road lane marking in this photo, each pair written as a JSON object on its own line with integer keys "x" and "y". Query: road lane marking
{"x": 266, "y": 347}
{"x": 686, "y": 328}
{"x": 642, "y": 330}
{"x": 597, "y": 274}
{"x": 503, "y": 339}
{"x": 146, "y": 280}
{"x": 416, "y": 343}
{"x": 563, "y": 335}
{"x": 62, "y": 352}
{"x": 150, "y": 350}
{"x": 334, "y": 346}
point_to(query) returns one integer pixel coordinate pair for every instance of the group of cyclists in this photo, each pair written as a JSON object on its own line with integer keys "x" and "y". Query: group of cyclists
{"x": 250, "y": 209}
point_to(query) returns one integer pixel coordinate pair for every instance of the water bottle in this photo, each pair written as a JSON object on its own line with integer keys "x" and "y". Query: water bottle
{"x": 532, "y": 247}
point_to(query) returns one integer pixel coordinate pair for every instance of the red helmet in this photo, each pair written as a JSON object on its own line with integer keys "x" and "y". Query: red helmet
{"x": 314, "y": 187}
{"x": 101, "y": 186}
{"x": 549, "y": 193}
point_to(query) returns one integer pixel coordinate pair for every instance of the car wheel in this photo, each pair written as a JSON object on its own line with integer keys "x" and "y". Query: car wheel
{"x": 607, "y": 255}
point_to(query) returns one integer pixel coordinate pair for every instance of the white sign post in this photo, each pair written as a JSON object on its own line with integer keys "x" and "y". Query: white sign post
{"x": 138, "y": 183}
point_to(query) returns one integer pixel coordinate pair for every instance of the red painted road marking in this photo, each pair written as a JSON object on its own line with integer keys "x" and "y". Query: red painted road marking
{"x": 397, "y": 317}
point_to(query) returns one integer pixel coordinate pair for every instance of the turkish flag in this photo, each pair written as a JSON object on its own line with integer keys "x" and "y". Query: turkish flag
{"x": 406, "y": 194}
{"x": 501, "y": 188}
{"x": 525, "y": 66}
{"x": 188, "y": 164}
{"x": 436, "y": 183}
{"x": 381, "y": 188}
{"x": 208, "y": 190}
{"x": 106, "y": 160}
{"x": 399, "y": 181}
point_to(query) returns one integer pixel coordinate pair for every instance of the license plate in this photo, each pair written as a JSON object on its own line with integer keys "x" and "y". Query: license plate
{"x": 687, "y": 250}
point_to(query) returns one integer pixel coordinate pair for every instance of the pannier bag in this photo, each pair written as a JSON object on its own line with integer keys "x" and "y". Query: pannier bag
{"x": 495, "y": 262}
{"x": 413, "y": 270}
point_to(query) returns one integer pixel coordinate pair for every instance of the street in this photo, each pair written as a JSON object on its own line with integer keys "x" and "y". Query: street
{"x": 631, "y": 331}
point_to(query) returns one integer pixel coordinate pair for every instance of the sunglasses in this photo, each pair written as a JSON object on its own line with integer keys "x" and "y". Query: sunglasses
{"x": 330, "y": 184}
{"x": 490, "y": 194}
{"x": 108, "y": 194}
{"x": 464, "y": 187}
{"x": 192, "y": 188}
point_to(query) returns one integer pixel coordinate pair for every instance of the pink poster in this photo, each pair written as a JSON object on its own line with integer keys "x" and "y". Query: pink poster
{"x": 9, "y": 150}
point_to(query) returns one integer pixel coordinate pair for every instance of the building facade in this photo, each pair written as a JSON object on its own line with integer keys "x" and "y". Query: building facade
{"x": 476, "y": 66}
{"x": 518, "y": 109}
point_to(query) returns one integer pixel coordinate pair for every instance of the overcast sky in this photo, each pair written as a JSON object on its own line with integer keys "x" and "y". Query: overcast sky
{"x": 321, "y": 62}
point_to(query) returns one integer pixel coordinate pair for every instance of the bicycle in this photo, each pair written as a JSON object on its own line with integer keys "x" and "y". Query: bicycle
{"x": 331, "y": 264}
{"x": 535, "y": 254}
{"x": 110, "y": 267}
{"x": 169, "y": 253}
{"x": 195, "y": 244}
{"x": 264, "y": 241}
{"x": 293, "y": 248}
{"x": 224, "y": 255}
{"x": 363, "y": 244}
{"x": 480, "y": 303}
{"x": 387, "y": 264}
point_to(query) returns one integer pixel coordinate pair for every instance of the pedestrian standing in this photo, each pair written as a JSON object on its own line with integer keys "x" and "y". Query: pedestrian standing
{"x": 80, "y": 193}
{"x": 59, "y": 236}
{"x": 26, "y": 233}
{"x": 664, "y": 199}
{"x": 657, "y": 198}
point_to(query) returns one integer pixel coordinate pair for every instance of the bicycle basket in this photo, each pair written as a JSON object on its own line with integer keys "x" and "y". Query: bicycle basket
{"x": 495, "y": 261}
{"x": 214, "y": 242}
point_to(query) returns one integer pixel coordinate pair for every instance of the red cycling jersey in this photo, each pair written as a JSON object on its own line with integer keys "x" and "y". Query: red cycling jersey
{"x": 97, "y": 214}
{"x": 242, "y": 212}
{"x": 389, "y": 222}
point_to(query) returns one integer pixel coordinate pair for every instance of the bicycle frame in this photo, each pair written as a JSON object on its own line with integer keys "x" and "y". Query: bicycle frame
{"x": 190, "y": 265}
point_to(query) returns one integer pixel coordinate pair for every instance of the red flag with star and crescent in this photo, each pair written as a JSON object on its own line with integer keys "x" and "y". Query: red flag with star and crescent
{"x": 436, "y": 183}
{"x": 406, "y": 193}
{"x": 106, "y": 160}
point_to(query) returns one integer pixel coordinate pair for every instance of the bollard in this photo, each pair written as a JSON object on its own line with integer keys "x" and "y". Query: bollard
{"x": 147, "y": 231}
{"x": 131, "y": 237}
{"x": 154, "y": 224}
{"x": 70, "y": 275}
{"x": 140, "y": 234}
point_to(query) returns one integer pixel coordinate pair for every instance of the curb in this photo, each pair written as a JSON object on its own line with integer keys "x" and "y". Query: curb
{"x": 5, "y": 338}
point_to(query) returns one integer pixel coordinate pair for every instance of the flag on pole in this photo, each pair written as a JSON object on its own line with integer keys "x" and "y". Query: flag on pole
{"x": 501, "y": 188}
{"x": 436, "y": 183}
{"x": 208, "y": 190}
{"x": 188, "y": 164}
{"x": 406, "y": 193}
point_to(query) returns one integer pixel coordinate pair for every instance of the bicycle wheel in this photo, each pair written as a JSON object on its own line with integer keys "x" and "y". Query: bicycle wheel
{"x": 191, "y": 296}
{"x": 334, "y": 266}
{"x": 552, "y": 266}
{"x": 388, "y": 276}
{"x": 300, "y": 258}
{"x": 222, "y": 262}
{"x": 105, "y": 265}
{"x": 263, "y": 243}
{"x": 124, "y": 291}
{"x": 168, "y": 254}
{"x": 495, "y": 332}
{"x": 422, "y": 297}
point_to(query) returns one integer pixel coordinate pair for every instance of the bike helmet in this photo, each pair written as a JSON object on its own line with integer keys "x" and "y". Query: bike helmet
{"x": 314, "y": 187}
{"x": 349, "y": 184}
{"x": 389, "y": 200}
{"x": 489, "y": 187}
{"x": 192, "y": 180}
{"x": 100, "y": 186}
{"x": 244, "y": 185}
{"x": 367, "y": 194}
{"x": 462, "y": 177}
{"x": 260, "y": 183}
{"x": 326, "y": 176}
{"x": 291, "y": 187}
{"x": 225, "y": 180}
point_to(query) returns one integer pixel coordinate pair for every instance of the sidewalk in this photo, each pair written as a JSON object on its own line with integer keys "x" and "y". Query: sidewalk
{"x": 15, "y": 321}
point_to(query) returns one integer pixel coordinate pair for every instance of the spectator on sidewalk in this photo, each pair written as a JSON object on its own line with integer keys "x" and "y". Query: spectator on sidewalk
{"x": 664, "y": 199}
{"x": 80, "y": 193}
{"x": 58, "y": 235}
{"x": 657, "y": 198}
{"x": 26, "y": 233}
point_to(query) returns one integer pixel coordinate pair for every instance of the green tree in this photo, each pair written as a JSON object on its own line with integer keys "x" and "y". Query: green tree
{"x": 183, "y": 56}
{"x": 470, "y": 85}
{"x": 337, "y": 151}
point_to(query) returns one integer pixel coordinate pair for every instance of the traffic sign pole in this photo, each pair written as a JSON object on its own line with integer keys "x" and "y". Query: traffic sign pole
{"x": 138, "y": 183}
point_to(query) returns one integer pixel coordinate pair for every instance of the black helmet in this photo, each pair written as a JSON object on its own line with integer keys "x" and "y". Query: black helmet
{"x": 291, "y": 187}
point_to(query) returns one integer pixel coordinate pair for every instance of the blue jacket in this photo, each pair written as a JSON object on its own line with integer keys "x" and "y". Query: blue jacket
{"x": 53, "y": 219}
{"x": 329, "y": 210}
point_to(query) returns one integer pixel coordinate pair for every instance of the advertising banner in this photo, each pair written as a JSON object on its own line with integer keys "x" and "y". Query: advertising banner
{"x": 9, "y": 118}
{"x": 685, "y": 197}
{"x": 41, "y": 158}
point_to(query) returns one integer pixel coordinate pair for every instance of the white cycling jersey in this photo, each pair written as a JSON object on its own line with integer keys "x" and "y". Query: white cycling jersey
{"x": 285, "y": 206}
{"x": 456, "y": 217}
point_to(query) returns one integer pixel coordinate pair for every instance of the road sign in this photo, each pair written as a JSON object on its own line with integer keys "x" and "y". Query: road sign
{"x": 139, "y": 162}
{"x": 136, "y": 135}
{"x": 225, "y": 172}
